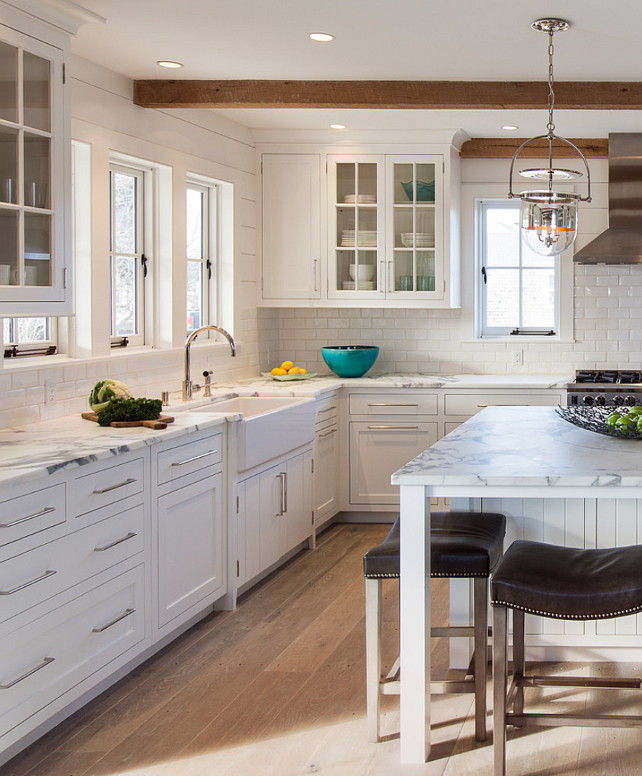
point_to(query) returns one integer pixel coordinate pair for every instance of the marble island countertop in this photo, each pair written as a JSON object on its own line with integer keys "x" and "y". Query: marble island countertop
{"x": 525, "y": 447}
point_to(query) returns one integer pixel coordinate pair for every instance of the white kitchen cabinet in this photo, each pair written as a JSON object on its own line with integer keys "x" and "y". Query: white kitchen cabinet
{"x": 35, "y": 168}
{"x": 273, "y": 514}
{"x": 190, "y": 530}
{"x": 291, "y": 222}
{"x": 326, "y": 460}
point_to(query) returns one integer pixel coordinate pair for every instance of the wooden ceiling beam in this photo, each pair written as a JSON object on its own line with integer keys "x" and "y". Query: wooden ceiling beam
{"x": 505, "y": 147}
{"x": 408, "y": 95}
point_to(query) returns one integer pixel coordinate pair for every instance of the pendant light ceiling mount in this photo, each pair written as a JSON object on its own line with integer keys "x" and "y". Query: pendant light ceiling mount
{"x": 549, "y": 218}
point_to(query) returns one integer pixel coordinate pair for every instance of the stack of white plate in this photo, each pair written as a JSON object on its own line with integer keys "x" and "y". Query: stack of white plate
{"x": 361, "y": 199}
{"x": 419, "y": 240}
{"x": 364, "y": 285}
{"x": 366, "y": 239}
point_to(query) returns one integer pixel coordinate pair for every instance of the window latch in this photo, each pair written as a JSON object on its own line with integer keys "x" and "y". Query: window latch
{"x": 143, "y": 263}
{"x": 484, "y": 276}
{"x": 208, "y": 264}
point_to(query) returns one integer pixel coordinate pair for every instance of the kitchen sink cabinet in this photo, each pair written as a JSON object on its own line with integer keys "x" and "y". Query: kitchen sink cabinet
{"x": 35, "y": 168}
{"x": 325, "y": 480}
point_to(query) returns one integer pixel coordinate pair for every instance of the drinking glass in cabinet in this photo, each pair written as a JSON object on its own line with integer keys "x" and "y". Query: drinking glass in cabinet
{"x": 36, "y": 91}
{"x": 36, "y": 164}
{"x": 8, "y": 164}
{"x": 9, "y": 91}
{"x": 8, "y": 247}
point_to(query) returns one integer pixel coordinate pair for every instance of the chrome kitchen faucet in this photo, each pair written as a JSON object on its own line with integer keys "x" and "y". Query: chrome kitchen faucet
{"x": 187, "y": 383}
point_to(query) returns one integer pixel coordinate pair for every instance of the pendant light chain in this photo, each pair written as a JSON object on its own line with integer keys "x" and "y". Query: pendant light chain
{"x": 551, "y": 94}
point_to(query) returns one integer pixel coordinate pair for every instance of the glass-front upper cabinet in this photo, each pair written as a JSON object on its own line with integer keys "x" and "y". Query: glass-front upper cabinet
{"x": 413, "y": 244}
{"x": 356, "y": 226}
{"x": 33, "y": 156}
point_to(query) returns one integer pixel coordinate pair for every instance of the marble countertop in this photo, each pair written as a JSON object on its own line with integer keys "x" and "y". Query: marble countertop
{"x": 527, "y": 447}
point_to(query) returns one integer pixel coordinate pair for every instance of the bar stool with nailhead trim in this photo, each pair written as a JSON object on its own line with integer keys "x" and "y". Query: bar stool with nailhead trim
{"x": 562, "y": 583}
{"x": 462, "y": 544}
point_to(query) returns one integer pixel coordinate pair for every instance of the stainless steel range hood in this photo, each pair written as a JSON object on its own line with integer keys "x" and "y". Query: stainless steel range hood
{"x": 621, "y": 243}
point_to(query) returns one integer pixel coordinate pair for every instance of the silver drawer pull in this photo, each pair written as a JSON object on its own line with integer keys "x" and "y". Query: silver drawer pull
{"x": 128, "y": 481}
{"x": 130, "y": 535}
{"x": 398, "y": 428}
{"x": 500, "y": 405}
{"x": 327, "y": 409}
{"x": 385, "y": 404}
{"x": 42, "y": 512}
{"x": 195, "y": 458}
{"x": 102, "y": 628}
{"x": 328, "y": 433}
{"x": 44, "y": 663}
{"x": 46, "y": 575}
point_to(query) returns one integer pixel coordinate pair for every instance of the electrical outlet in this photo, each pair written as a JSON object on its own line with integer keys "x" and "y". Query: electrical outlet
{"x": 50, "y": 391}
{"x": 517, "y": 357}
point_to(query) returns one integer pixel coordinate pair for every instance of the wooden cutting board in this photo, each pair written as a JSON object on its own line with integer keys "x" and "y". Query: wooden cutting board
{"x": 160, "y": 423}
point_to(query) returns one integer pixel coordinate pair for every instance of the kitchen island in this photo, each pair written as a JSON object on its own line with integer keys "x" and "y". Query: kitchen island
{"x": 556, "y": 483}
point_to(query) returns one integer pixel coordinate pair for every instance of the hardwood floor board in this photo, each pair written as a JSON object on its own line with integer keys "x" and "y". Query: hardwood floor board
{"x": 285, "y": 755}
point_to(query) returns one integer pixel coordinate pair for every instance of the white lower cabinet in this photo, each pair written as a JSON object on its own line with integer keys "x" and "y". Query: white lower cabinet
{"x": 325, "y": 481}
{"x": 274, "y": 514}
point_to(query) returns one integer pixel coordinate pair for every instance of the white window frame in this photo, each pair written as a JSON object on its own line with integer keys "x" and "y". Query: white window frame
{"x": 504, "y": 332}
{"x": 209, "y": 240}
{"x": 25, "y": 347}
{"x": 144, "y": 247}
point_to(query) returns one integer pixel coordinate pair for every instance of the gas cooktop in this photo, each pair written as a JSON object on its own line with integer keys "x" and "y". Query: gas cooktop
{"x": 605, "y": 388}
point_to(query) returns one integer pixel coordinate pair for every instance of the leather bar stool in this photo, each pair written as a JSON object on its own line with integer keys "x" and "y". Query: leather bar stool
{"x": 462, "y": 544}
{"x": 563, "y": 583}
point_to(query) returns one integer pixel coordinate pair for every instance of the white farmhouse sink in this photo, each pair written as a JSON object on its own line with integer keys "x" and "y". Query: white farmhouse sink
{"x": 271, "y": 425}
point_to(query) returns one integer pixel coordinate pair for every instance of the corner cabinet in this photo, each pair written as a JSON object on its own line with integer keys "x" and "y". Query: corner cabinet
{"x": 35, "y": 169}
{"x": 390, "y": 236}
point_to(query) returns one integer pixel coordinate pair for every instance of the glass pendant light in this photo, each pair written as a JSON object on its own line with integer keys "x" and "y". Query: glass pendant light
{"x": 548, "y": 217}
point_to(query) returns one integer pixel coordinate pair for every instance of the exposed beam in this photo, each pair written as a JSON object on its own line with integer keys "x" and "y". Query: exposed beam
{"x": 505, "y": 147}
{"x": 411, "y": 95}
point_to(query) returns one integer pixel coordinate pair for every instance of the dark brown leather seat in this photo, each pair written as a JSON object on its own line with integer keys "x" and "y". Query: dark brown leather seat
{"x": 567, "y": 583}
{"x": 462, "y": 544}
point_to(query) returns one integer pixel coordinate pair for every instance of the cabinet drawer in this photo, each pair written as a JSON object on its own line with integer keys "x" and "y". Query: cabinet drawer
{"x": 31, "y": 513}
{"x": 108, "y": 485}
{"x": 393, "y": 404}
{"x": 185, "y": 459}
{"x": 49, "y": 656}
{"x": 326, "y": 409}
{"x": 35, "y": 576}
{"x": 469, "y": 404}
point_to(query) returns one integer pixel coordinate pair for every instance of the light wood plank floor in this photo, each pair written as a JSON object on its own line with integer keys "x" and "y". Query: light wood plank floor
{"x": 277, "y": 689}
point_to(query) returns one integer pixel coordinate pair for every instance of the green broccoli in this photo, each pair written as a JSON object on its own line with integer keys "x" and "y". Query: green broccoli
{"x": 130, "y": 409}
{"x": 105, "y": 391}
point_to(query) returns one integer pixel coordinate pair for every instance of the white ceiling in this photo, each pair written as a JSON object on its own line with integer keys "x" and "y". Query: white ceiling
{"x": 380, "y": 40}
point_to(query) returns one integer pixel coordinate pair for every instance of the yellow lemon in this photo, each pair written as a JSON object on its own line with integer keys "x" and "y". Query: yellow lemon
{"x": 287, "y": 365}
{"x": 293, "y": 370}
{"x": 278, "y": 371}
{"x": 302, "y": 371}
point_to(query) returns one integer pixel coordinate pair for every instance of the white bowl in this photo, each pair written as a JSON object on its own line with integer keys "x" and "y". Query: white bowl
{"x": 365, "y": 271}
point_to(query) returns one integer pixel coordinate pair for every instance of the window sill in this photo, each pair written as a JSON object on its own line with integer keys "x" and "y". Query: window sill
{"x": 515, "y": 340}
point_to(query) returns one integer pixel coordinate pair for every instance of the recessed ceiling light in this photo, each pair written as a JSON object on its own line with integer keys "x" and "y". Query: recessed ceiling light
{"x": 169, "y": 63}
{"x": 323, "y": 37}
{"x": 337, "y": 126}
{"x": 510, "y": 126}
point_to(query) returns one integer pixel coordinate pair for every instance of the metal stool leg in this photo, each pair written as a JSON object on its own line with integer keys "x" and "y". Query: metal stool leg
{"x": 373, "y": 656}
{"x": 500, "y": 644}
{"x": 518, "y": 657}
{"x": 480, "y": 621}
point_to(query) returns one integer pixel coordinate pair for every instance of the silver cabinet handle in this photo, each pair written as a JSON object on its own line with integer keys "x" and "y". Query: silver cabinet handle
{"x": 399, "y": 428}
{"x": 128, "y": 481}
{"x": 42, "y": 512}
{"x": 315, "y": 264}
{"x": 391, "y": 284}
{"x": 46, "y": 575}
{"x": 327, "y": 409}
{"x": 44, "y": 663}
{"x": 500, "y": 405}
{"x": 285, "y": 491}
{"x": 281, "y": 477}
{"x": 328, "y": 433}
{"x": 388, "y": 404}
{"x": 130, "y": 535}
{"x": 194, "y": 458}
{"x": 102, "y": 628}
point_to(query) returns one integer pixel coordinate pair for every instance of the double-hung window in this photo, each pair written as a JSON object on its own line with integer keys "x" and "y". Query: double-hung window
{"x": 128, "y": 259}
{"x": 518, "y": 290}
{"x": 201, "y": 256}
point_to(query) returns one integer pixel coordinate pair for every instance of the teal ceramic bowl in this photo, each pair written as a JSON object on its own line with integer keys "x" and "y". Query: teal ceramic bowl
{"x": 350, "y": 360}
{"x": 425, "y": 191}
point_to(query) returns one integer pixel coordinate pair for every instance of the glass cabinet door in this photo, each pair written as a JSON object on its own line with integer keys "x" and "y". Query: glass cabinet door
{"x": 413, "y": 226}
{"x": 26, "y": 165}
{"x": 355, "y": 232}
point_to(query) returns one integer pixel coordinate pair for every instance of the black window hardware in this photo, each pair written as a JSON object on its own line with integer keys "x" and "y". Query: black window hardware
{"x": 534, "y": 332}
{"x": 121, "y": 343}
{"x": 15, "y": 352}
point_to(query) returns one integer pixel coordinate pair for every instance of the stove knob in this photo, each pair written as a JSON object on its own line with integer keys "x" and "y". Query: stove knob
{"x": 600, "y": 401}
{"x": 588, "y": 400}
{"x": 618, "y": 400}
{"x": 630, "y": 401}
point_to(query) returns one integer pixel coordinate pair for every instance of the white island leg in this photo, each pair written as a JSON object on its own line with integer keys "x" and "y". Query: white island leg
{"x": 415, "y": 624}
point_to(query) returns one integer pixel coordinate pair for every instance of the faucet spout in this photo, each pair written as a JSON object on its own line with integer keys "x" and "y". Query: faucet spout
{"x": 187, "y": 383}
